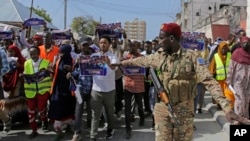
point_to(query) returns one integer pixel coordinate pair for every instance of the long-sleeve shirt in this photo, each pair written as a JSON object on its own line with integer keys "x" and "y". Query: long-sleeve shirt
{"x": 178, "y": 74}
{"x": 4, "y": 64}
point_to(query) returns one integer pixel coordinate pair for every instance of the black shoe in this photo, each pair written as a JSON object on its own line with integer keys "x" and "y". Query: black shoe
{"x": 68, "y": 130}
{"x": 199, "y": 111}
{"x": 141, "y": 122}
{"x": 194, "y": 127}
{"x": 45, "y": 125}
{"x": 88, "y": 125}
{"x": 110, "y": 134}
{"x": 33, "y": 135}
{"x": 128, "y": 135}
{"x": 132, "y": 118}
{"x": 92, "y": 139}
{"x": 7, "y": 125}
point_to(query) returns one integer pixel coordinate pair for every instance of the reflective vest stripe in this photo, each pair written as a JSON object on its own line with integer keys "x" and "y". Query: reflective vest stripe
{"x": 40, "y": 87}
{"x": 221, "y": 70}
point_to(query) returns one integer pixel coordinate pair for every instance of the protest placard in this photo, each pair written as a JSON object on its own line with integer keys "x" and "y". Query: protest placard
{"x": 133, "y": 70}
{"x": 93, "y": 65}
{"x": 33, "y": 22}
{"x": 193, "y": 40}
{"x": 113, "y": 30}
{"x": 5, "y": 35}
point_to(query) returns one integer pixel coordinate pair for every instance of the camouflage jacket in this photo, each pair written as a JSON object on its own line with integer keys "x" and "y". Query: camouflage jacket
{"x": 179, "y": 74}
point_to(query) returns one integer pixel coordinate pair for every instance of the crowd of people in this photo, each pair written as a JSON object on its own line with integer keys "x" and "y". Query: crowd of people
{"x": 185, "y": 74}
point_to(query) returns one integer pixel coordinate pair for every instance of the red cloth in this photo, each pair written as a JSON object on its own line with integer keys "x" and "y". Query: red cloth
{"x": 171, "y": 28}
{"x": 241, "y": 56}
{"x": 37, "y": 37}
{"x": 11, "y": 78}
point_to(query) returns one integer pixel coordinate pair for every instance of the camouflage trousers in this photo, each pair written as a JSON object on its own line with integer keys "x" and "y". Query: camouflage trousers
{"x": 166, "y": 129}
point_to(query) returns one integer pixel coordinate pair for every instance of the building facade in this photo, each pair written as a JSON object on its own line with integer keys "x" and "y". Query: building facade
{"x": 136, "y": 29}
{"x": 199, "y": 15}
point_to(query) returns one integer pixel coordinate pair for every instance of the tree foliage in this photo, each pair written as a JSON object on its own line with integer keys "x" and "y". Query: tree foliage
{"x": 84, "y": 25}
{"x": 42, "y": 13}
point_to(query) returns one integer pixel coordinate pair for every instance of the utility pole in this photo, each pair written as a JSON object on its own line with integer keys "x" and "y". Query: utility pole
{"x": 192, "y": 11}
{"x": 65, "y": 14}
{"x": 31, "y": 8}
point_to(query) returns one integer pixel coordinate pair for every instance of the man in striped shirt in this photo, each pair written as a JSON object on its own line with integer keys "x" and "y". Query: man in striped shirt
{"x": 134, "y": 85}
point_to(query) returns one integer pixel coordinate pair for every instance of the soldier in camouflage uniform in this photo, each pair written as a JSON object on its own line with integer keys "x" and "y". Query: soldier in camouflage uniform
{"x": 179, "y": 68}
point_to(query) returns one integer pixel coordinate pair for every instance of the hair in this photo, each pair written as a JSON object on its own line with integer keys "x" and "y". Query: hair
{"x": 106, "y": 37}
{"x": 34, "y": 47}
{"x": 155, "y": 41}
{"x": 148, "y": 42}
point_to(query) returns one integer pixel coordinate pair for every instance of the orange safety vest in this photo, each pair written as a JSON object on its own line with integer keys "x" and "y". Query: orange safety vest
{"x": 48, "y": 55}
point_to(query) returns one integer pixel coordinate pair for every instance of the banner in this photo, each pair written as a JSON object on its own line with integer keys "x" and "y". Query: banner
{"x": 132, "y": 70}
{"x": 193, "y": 40}
{"x": 93, "y": 65}
{"x": 34, "y": 21}
{"x": 5, "y": 35}
{"x": 61, "y": 35}
{"x": 113, "y": 30}
{"x": 36, "y": 77}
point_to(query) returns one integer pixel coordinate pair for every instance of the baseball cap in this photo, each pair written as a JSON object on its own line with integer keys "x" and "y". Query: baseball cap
{"x": 83, "y": 41}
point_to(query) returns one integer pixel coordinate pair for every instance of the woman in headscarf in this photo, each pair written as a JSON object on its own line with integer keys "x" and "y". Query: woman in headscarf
{"x": 14, "y": 101}
{"x": 62, "y": 101}
{"x": 239, "y": 78}
{"x": 219, "y": 68}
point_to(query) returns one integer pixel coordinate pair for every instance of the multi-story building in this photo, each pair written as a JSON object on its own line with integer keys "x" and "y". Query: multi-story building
{"x": 200, "y": 15}
{"x": 136, "y": 29}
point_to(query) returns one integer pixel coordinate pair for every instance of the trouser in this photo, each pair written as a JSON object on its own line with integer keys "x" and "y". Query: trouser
{"x": 146, "y": 97}
{"x": 199, "y": 98}
{"x": 39, "y": 102}
{"x": 79, "y": 111}
{"x": 165, "y": 127}
{"x": 138, "y": 99}
{"x": 3, "y": 115}
{"x": 119, "y": 95}
{"x": 98, "y": 100}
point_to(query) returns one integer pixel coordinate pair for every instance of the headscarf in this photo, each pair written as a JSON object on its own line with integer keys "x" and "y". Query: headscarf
{"x": 11, "y": 78}
{"x": 212, "y": 65}
{"x": 220, "y": 47}
{"x": 18, "y": 54}
{"x": 241, "y": 56}
{"x": 66, "y": 58}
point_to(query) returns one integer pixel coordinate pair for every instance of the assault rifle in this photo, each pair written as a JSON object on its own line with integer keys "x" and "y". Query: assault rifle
{"x": 162, "y": 93}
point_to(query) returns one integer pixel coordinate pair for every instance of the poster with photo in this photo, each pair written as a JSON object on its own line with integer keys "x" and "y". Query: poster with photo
{"x": 113, "y": 30}
{"x": 133, "y": 70}
{"x": 193, "y": 40}
{"x": 5, "y": 35}
{"x": 93, "y": 65}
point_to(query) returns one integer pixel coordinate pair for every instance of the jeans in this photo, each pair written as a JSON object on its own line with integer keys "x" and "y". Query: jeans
{"x": 79, "y": 110}
{"x": 199, "y": 98}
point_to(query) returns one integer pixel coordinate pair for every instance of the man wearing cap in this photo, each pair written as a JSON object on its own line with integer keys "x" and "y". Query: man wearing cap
{"x": 84, "y": 87}
{"x": 178, "y": 68}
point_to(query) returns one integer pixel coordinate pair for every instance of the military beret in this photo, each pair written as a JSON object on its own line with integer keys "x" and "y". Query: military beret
{"x": 171, "y": 28}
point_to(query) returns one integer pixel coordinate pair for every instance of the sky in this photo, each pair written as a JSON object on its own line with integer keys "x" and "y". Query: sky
{"x": 153, "y": 12}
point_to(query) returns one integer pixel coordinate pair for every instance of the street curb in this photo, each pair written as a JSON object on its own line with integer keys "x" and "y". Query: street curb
{"x": 218, "y": 115}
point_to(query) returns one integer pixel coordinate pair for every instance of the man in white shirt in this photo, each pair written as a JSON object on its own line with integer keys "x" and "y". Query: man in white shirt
{"x": 103, "y": 91}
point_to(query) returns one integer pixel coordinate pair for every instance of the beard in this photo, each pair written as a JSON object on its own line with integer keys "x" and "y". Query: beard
{"x": 167, "y": 49}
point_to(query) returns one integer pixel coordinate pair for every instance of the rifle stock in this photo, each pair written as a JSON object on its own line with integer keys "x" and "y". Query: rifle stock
{"x": 162, "y": 94}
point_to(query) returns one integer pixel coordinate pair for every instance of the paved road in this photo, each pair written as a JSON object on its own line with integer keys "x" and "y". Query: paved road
{"x": 207, "y": 130}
